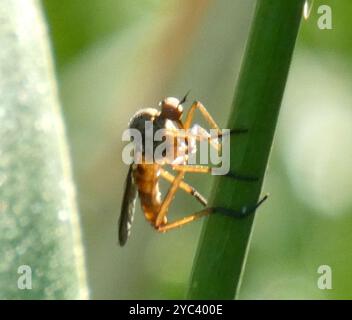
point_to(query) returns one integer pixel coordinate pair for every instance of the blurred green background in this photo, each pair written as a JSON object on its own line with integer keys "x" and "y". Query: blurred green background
{"x": 115, "y": 56}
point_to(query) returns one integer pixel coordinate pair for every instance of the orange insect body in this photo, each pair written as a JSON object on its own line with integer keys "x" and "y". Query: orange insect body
{"x": 146, "y": 176}
{"x": 143, "y": 178}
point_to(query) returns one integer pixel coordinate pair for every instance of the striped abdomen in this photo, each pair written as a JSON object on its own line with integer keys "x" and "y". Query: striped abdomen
{"x": 146, "y": 176}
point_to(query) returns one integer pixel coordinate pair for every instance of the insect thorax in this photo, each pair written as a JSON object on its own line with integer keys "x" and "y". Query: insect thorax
{"x": 148, "y": 122}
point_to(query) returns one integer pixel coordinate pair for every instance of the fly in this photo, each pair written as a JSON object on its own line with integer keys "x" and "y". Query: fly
{"x": 143, "y": 178}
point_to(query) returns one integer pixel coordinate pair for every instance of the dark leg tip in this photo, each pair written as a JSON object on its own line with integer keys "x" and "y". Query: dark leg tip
{"x": 241, "y": 177}
{"x": 228, "y": 212}
{"x": 238, "y": 131}
{"x": 232, "y": 132}
{"x": 244, "y": 212}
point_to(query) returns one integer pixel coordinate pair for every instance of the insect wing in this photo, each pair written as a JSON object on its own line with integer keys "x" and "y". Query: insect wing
{"x": 128, "y": 207}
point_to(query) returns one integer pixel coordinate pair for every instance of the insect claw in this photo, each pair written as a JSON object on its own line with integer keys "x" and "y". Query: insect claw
{"x": 241, "y": 177}
{"x": 262, "y": 200}
{"x": 233, "y": 131}
{"x": 244, "y": 212}
{"x": 238, "y": 131}
{"x": 228, "y": 212}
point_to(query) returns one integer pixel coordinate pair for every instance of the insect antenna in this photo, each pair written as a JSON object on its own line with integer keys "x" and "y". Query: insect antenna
{"x": 183, "y": 100}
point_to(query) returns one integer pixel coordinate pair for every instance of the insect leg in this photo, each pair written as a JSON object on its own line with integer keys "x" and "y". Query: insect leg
{"x": 183, "y": 221}
{"x": 184, "y": 186}
{"x": 168, "y": 198}
{"x": 198, "y": 105}
{"x": 191, "y": 168}
{"x": 229, "y": 212}
{"x": 235, "y": 131}
{"x": 245, "y": 211}
{"x": 205, "y": 169}
{"x": 189, "y": 117}
{"x": 201, "y": 134}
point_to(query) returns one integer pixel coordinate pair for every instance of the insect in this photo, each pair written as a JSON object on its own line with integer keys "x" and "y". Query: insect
{"x": 143, "y": 178}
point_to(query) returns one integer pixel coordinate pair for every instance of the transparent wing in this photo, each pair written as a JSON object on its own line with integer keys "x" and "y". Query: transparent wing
{"x": 128, "y": 208}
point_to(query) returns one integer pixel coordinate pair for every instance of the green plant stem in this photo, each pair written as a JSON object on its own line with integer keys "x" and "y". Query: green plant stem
{"x": 222, "y": 250}
{"x": 40, "y": 247}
